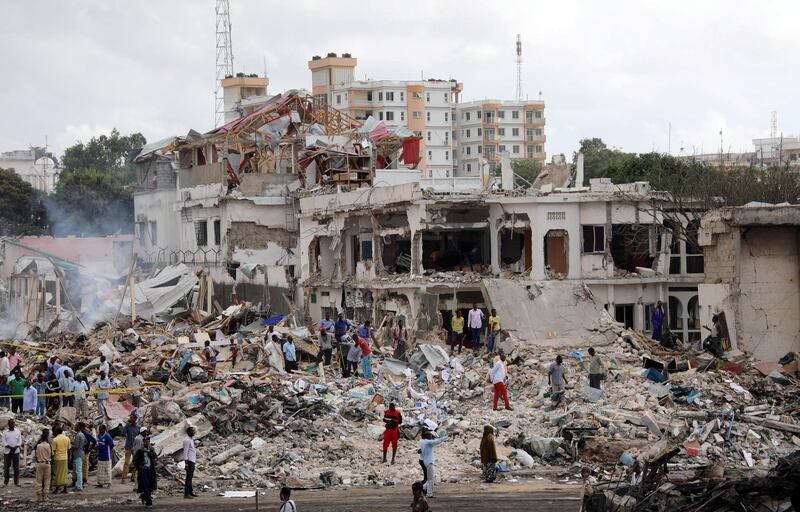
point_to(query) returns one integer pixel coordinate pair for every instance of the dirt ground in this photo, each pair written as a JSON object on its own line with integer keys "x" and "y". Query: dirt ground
{"x": 538, "y": 495}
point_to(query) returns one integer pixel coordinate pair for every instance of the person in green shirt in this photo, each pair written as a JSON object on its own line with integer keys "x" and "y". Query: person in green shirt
{"x": 17, "y": 383}
{"x": 596, "y": 369}
{"x": 456, "y": 332}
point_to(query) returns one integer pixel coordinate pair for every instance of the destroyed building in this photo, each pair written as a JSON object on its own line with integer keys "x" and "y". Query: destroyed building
{"x": 224, "y": 201}
{"x": 751, "y": 276}
{"x": 422, "y": 255}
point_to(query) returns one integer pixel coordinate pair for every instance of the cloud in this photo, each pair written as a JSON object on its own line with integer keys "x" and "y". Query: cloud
{"x": 622, "y": 71}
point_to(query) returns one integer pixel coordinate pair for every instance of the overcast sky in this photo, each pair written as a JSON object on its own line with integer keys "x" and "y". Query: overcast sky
{"x": 621, "y": 70}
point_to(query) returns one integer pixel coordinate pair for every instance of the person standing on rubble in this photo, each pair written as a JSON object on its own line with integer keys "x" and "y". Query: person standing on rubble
{"x": 492, "y": 331}
{"x": 340, "y": 328}
{"x": 275, "y": 352}
{"x": 61, "y": 447}
{"x": 290, "y": 354}
{"x": 657, "y": 321}
{"x": 44, "y": 456}
{"x": 497, "y": 375}
{"x": 366, "y": 356}
{"x": 210, "y": 354}
{"x": 429, "y": 441}
{"x": 102, "y": 385}
{"x": 17, "y": 384}
{"x": 14, "y": 360}
{"x": 353, "y": 356}
{"x": 12, "y": 444}
{"x": 67, "y": 386}
{"x": 130, "y": 432}
{"x": 488, "y": 454}
{"x": 189, "y": 461}
{"x": 596, "y": 368}
{"x": 475, "y": 324}
{"x": 79, "y": 444}
{"x": 29, "y": 399}
{"x": 81, "y": 401}
{"x": 392, "y": 419}
{"x": 5, "y": 365}
{"x": 105, "y": 446}
{"x": 326, "y": 328}
{"x": 104, "y": 366}
{"x": 366, "y": 331}
{"x": 555, "y": 375}
{"x": 456, "y": 332}
{"x": 41, "y": 401}
{"x": 5, "y": 391}
{"x": 53, "y": 389}
{"x": 399, "y": 339}
{"x": 134, "y": 382}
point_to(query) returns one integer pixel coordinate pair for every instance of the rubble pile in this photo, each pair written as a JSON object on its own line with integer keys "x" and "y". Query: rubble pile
{"x": 258, "y": 425}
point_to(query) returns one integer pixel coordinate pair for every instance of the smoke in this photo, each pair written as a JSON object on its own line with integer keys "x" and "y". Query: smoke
{"x": 92, "y": 216}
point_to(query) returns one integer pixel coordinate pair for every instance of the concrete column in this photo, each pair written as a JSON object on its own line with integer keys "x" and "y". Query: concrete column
{"x": 416, "y": 253}
{"x": 638, "y": 311}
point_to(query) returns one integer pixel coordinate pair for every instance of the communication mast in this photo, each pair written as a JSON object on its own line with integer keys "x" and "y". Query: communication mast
{"x": 773, "y": 132}
{"x": 224, "y": 57}
{"x": 519, "y": 68}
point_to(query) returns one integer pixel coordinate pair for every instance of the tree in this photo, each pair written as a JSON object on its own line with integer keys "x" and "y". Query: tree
{"x": 90, "y": 202}
{"x": 22, "y": 210}
{"x": 597, "y": 157}
{"x": 92, "y": 197}
{"x": 111, "y": 153}
{"x": 686, "y": 190}
{"x": 527, "y": 169}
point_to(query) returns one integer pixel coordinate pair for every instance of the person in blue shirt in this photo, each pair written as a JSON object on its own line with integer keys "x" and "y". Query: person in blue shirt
{"x": 290, "y": 354}
{"x": 366, "y": 331}
{"x": 341, "y": 326}
{"x": 105, "y": 444}
{"x": 130, "y": 432}
{"x": 429, "y": 440}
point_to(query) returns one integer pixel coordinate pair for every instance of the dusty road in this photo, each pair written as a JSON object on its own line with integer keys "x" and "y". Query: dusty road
{"x": 530, "y": 495}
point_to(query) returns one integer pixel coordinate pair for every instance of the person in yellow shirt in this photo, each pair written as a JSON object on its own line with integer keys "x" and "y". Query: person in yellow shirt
{"x": 493, "y": 329}
{"x": 456, "y": 332}
{"x": 61, "y": 446}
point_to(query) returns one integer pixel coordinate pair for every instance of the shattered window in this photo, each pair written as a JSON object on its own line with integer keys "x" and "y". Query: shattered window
{"x": 594, "y": 239}
{"x": 201, "y": 233}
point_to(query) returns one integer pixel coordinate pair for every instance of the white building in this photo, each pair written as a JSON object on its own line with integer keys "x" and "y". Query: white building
{"x": 485, "y": 129}
{"x": 42, "y": 173}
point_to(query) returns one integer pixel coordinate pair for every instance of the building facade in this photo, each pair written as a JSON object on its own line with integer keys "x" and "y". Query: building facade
{"x": 41, "y": 173}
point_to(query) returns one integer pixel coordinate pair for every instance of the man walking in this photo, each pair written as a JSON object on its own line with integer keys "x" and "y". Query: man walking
{"x": 555, "y": 376}
{"x": 130, "y": 432}
{"x": 493, "y": 330}
{"x": 105, "y": 445}
{"x": 596, "y": 369}
{"x": 189, "y": 460}
{"x": 392, "y": 419}
{"x": 429, "y": 441}
{"x": 456, "y": 332}
{"x": 79, "y": 445}
{"x": 475, "y": 324}
{"x": 498, "y": 377}
{"x": 12, "y": 443}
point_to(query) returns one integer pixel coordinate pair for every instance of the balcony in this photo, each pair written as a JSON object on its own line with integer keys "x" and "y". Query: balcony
{"x": 534, "y": 121}
{"x": 536, "y": 138}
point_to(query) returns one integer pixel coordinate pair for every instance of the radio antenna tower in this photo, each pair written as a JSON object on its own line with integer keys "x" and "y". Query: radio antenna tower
{"x": 519, "y": 68}
{"x": 224, "y": 57}
{"x": 773, "y": 132}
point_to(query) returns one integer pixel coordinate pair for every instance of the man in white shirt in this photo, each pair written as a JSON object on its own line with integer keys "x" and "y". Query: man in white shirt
{"x": 134, "y": 380}
{"x": 429, "y": 440}
{"x": 189, "y": 460}
{"x": 5, "y": 365}
{"x": 475, "y": 325}
{"x": 498, "y": 378}
{"x": 104, "y": 366}
{"x": 287, "y": 505}
{"x": 12, "y": 442}
{"x": 102, "y": 384}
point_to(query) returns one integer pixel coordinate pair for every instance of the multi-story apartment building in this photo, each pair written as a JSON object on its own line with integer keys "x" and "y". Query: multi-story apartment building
{"x": 485, "y": 129}
{"x": 426, "y": 107}
{"x": 242, "y": 94}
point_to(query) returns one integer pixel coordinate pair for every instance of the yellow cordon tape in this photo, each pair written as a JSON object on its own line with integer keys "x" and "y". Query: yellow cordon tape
{"x": 114, "y": 391}
{"x": 23, "y": 345}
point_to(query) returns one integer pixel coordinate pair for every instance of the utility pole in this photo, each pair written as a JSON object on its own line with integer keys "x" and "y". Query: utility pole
{"x": 224, "y": 62}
